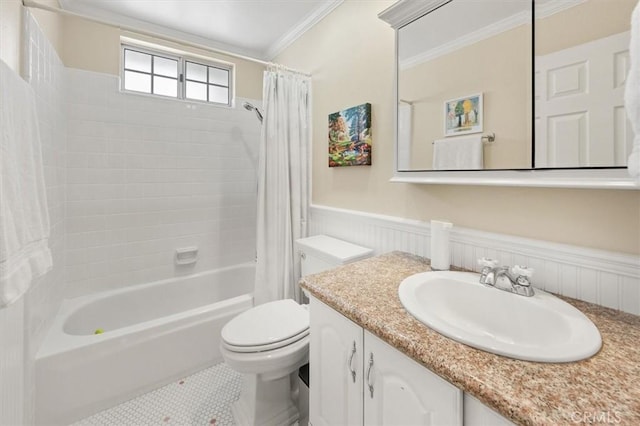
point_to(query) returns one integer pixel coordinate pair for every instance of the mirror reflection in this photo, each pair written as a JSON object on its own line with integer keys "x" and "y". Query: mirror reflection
{"x": 580, "y": 74}
{"x": 464, "y": 72}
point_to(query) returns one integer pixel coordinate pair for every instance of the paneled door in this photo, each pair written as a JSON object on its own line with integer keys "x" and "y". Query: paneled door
{"x": 335, "y": 368}
{"x": 580, "y": 115}
{"x": 398, "y": 391}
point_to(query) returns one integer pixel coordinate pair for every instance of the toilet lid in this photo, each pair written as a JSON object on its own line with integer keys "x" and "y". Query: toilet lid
{"x": 272, "y": 324}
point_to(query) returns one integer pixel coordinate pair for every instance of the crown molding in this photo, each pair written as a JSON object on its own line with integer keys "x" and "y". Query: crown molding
{"x": 488, "y": 31}
{"x": 405, "y": 11}
{"x": 118, "y": 20}
{"x": 295, "y": 33}
{"x": 552, "y": 7}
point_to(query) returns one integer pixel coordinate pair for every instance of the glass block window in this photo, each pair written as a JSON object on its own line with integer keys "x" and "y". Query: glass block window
{"x": 157, "y": 73}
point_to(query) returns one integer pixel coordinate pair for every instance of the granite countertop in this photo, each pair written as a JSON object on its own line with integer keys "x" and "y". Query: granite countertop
{"x": 602, "y": 389}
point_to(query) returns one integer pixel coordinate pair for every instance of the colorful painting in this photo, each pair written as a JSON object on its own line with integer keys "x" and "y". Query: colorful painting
{"x": 350, "y": 137}
{"x": 463, "y": 115}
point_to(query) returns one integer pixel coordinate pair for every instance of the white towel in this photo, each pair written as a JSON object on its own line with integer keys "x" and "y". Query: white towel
{"x": 459, "y": 153}
{"x": 405, "y": 119}
{"x": 632, "y": 94}
{"x": 24, "y": 219}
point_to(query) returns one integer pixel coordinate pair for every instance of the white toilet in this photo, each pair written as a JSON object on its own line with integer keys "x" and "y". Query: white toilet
{"x": 270, "y": 342}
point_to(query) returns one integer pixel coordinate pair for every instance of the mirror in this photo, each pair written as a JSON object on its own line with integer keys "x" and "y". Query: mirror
{"x": 580, "y": 120}
{"x": 467, "y": 71}
{"x": 464, "y": 72}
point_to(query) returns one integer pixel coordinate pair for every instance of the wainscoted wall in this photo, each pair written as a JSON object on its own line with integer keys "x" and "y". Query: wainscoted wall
{"x": 146, "y": 176}
{"x": 606, "y": 278}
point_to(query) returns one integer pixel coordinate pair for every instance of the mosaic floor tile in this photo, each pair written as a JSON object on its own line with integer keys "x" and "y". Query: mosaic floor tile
{"x": 203, "y": 398}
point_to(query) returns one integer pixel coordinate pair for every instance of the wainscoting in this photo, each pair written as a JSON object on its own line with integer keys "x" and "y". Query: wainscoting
{"x": 606, "y": 278}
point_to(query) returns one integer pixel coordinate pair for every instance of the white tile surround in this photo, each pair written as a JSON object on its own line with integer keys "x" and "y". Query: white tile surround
{"x": 605, "y": 278}
{"x": 129, "y": 178}
{"x": 24, "y": 324}
{"x": 146, "y": 176}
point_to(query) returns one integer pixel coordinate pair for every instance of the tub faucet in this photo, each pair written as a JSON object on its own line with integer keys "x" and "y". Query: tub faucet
{"x": 516, "y": 279}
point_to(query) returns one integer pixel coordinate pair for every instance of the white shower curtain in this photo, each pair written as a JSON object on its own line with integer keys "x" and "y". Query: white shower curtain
{"x": 282, "y": 183}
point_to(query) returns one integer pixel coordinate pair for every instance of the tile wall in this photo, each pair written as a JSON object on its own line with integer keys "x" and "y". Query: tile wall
{"x": 24, "y": 324}
{"x": 146, "y": 176}
{"x": 129, "y": 179}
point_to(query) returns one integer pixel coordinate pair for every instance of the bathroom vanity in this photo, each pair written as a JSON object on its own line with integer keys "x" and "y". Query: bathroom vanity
{"x": 373, "y": 363}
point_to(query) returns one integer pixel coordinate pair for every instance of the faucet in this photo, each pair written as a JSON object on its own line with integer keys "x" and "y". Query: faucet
{"x": 516, "y": 279}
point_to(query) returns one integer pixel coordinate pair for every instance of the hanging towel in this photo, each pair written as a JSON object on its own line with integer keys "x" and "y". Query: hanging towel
{"x": 24, "y": 219}
{"x": 632, "y": 94}
{"x": 405, "y": 118}
{"x": 461, "y": 153}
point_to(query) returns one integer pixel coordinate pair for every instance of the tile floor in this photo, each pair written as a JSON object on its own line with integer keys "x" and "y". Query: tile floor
{"x": 203, "y": 398}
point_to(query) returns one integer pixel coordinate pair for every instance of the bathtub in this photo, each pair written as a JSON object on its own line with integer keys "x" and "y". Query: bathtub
{"x": 151, "y": 334}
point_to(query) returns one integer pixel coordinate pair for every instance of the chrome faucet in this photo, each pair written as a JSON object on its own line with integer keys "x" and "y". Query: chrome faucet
{"x": 516, "y": 279}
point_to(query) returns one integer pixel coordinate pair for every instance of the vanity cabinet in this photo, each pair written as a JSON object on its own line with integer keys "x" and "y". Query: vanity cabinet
{"x": 358, "y": 379}
{"x": 478, "y": 414}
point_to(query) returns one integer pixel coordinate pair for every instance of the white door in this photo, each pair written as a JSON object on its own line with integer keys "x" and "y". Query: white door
{"x": 335, "y": 368}
{"x": 580, "y": 115}
{"x": 399, "y": 391}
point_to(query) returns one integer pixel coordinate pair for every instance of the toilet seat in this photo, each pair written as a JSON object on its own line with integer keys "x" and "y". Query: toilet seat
{"x": 268, "y": 346}
{"x": 266, "y": 327}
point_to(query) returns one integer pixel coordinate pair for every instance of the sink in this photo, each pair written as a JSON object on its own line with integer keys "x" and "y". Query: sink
{"x": 540, "y": 328}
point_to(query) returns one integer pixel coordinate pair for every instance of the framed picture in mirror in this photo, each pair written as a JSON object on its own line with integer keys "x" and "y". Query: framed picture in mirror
{"x": 463, "y": 116}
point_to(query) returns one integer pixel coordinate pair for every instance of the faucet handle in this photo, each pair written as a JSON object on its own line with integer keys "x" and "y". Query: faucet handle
{"x": 487, "y": 262}
{"x": 522, "y": 271}
{"x": 523, "y": 275}
{"x": 487, "y": 266}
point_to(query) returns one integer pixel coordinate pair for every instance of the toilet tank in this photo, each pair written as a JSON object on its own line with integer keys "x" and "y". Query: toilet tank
{"x": 321, "y": 252}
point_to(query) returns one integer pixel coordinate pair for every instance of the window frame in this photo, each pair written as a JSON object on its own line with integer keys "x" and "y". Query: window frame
{"x": 182, "y": 60}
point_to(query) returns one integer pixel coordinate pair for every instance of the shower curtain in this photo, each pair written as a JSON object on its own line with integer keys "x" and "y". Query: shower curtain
{"x": 282, "y": 183}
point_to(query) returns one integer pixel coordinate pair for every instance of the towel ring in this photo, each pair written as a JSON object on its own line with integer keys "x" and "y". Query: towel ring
{"x": 485, "y": 138}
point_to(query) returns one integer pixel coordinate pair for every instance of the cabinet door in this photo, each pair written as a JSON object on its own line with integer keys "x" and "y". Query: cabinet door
{"x": 478, "y": 414}
{"x": 399, "y": 391}
{"x": 335, "y": 368}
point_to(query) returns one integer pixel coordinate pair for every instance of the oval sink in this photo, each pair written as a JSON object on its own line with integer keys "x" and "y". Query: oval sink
{"x": 540, "y": 328}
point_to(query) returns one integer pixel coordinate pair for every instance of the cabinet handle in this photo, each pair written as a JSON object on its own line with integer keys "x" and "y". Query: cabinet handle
{"x": 369, "y": 374}
{"x": 351, "y": 369}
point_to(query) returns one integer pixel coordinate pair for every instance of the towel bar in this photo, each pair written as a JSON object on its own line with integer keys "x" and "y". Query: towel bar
{"x": 485, "y": 138}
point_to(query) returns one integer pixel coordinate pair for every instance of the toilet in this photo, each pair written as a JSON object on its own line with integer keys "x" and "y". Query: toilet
{"x": 270, "y": 342}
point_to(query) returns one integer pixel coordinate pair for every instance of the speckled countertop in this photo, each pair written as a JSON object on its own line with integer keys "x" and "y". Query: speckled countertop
{"x": 602, "y": 389}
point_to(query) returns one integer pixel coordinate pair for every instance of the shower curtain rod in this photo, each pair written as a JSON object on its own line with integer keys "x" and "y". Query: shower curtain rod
{"x": 36, "y": 5}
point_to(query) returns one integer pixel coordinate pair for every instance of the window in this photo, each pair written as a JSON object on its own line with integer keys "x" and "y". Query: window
{"x": 207, "y": 83}
{"x": 157, "y": 73}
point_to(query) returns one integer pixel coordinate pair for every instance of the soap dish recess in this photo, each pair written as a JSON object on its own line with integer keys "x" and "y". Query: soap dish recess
{"x": 186, "y": 255}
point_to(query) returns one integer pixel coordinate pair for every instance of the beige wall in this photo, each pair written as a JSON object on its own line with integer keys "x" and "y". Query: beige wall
{"x": 350, "y": 53}
{"x": 500, "y": 68}
{"x": 586, "y": 22}
{"x": 95, "y": 47}
{"x": 86, "y": 45}
{"x": 11, "y": 30}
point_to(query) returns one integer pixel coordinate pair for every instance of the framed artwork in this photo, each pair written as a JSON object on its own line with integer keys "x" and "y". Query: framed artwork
{"x": 350, "y": 137}
{"x": 463, "y": 115}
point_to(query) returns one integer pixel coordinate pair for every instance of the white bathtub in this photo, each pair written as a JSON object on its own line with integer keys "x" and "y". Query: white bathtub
{"x": 152, "y": 334}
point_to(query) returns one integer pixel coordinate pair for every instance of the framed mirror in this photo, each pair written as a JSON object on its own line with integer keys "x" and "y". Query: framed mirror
{"x": 480, "y": 100}
{"x": 464, "y": 72}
